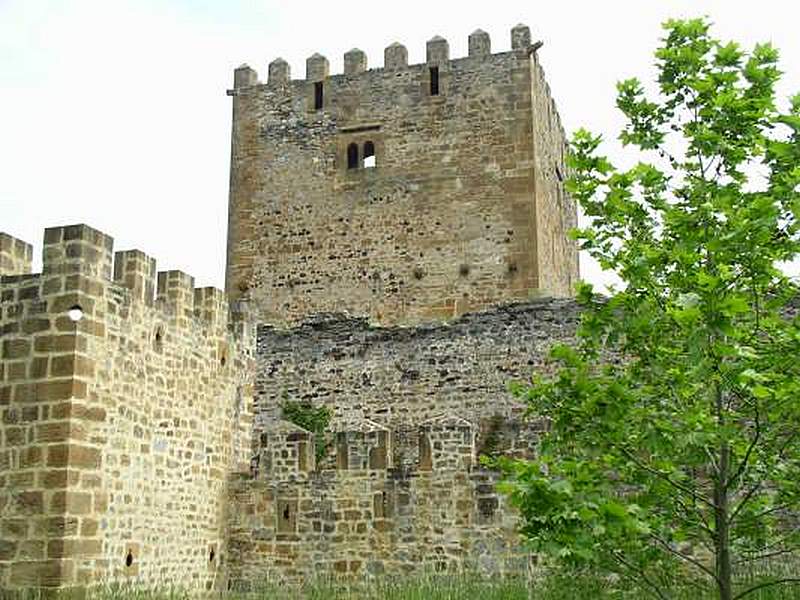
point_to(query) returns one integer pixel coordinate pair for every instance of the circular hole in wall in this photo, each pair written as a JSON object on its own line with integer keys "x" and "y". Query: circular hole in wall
{"x": 463, "y": 270}
{"x": 75, "y": 313}
{"x": 129, "y": 559}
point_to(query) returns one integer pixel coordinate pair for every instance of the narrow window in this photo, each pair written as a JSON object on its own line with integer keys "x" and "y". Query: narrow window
{"x": 369, "y": 155}
{"x": 352, "y": 156}
{"x": 434, "y": 81}
{"x": 318, "y": 95}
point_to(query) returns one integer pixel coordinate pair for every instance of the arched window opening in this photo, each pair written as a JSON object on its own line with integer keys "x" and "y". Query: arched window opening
{"x": 369, "y": 155}
{"x": 352, "y": 156}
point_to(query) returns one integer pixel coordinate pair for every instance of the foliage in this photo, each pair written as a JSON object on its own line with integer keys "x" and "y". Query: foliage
{"x": 674, "y": 450}
{"x": 311, "y": 418}
{"x": 560, "y": 585}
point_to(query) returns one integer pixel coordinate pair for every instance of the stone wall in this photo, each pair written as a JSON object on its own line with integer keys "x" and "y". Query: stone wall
{"x": 16, "y": 256}
{"x": 357, "y": 520}
{"x": 556, "y": 211}
{"x": 401, "y": 487}
{"x": 399, "y": 377}
{"x": 118, "y": 431}
{"x": 454, "y": 217}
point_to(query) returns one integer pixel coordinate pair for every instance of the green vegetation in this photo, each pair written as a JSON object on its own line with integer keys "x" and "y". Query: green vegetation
{"x": 567, "y": 586}
{"x": 311, "y": 418}
{"x": 673, "y": 456}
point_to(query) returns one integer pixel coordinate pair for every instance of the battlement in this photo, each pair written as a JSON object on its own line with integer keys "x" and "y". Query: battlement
{"x": 116, "y": 381}
{"x": 74, "y": 251}
{"x": 319, "y": 86}
{"x": 16, "y": 256}
{"x": 284, "y": 452}
{"x": 395, "y": 57}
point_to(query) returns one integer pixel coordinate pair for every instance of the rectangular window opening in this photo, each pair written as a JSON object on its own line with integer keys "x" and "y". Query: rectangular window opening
{"x": 434, "y": 81}
{"x": 318, "y": 95}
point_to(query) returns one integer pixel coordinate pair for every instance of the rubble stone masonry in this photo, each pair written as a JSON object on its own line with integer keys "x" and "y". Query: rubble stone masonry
{"x": 464, "y": 208}
{"x": 401, "y": 487}
{"x": 399, "y": 235}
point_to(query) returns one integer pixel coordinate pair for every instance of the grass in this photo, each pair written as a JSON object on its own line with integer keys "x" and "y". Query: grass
{"x": 564, "y": 586}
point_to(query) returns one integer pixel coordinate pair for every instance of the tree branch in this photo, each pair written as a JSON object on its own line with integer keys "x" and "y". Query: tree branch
{"x": 761, "y": 586}
{"x": 667, "y": 478}
{"x": 688, "y": 559}
{"x": 765, "y": 556}
{"x": 745, "y": 500}
{"x": 743, "y": 465}
{"x": 640, "y": 572}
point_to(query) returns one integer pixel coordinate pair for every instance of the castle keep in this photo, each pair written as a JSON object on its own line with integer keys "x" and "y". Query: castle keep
{"x": 464, "y": 208}
{"x": 397, "y": 252}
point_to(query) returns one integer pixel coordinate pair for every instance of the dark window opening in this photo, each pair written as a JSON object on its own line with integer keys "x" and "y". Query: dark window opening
{"x": 434, "y": 81}
{"x": 369, "y": 155}
{"x": 317, "y": 95}
{"x": 425, "y": 454}
{"x": 129, "y": 559}
{"x": 158, "y": 340}
{"x": 286, "y": 515}
{"x": 558, "y": 174}
{"x": 352, "y": 156}
{"x": 211, "y": 556}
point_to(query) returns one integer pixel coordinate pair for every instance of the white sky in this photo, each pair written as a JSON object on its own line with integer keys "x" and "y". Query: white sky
{"x": 114, "y": 113}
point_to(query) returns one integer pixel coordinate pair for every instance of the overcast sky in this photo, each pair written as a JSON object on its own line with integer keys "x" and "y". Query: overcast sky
{"x": 114, "y": 113}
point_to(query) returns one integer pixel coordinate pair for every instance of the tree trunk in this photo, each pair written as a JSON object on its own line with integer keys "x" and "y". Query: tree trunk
{"x": 722, "y": 541}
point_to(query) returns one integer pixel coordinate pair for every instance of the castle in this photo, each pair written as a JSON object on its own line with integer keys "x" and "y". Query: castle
{"x": 397, "y": 252}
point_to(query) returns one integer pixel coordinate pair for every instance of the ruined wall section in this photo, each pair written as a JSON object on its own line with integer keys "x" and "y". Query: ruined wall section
{"x": 445, "y": 515}
{"x": 399, "y": 377}
{"x": 556, "y": 210}
{"x": 136, "y": 427}
{"x": 444, "y": 224}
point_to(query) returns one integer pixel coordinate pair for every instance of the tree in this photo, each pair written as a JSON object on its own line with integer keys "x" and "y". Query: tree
{"x": 674, "y": 440}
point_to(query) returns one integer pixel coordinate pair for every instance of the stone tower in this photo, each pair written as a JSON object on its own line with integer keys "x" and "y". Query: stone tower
{"x": 406, "y": 193}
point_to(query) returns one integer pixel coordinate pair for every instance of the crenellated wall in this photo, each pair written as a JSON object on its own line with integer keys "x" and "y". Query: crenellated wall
{"x": 395, "y": 231}
{"x": 364, "y": 518}
{"x": 400, "y": 487}
{"x": 16, "y": 256}
{"x": 118, "y": 431}
{"x": 462, "y": 210}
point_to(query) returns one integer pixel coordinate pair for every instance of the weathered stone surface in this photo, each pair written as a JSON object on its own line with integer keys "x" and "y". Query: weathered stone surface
{"x": 118, "y": 431}
{"x": 128, "y": 446}
{"x": 464, "y": 209}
